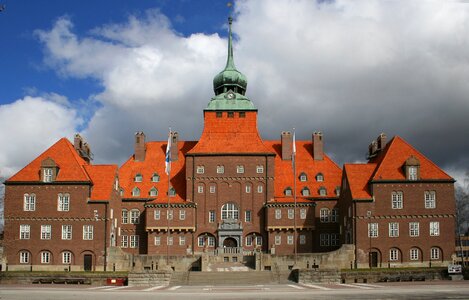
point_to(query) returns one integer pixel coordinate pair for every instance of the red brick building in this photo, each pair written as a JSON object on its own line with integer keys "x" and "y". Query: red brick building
{"x": 229, "y": 191}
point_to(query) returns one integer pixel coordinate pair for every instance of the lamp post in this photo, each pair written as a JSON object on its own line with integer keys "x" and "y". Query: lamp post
{"x": 368, "y": 214}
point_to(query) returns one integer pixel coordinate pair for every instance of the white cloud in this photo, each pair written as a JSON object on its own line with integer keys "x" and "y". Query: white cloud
{"x": 349, "y": 68}
{"x": 29, "y": 126}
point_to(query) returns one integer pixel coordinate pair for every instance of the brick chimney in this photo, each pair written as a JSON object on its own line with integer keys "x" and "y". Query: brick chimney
{"x": 318, "y": 146}
{"x": 287, "y": 141}
{"x": 83, "y": 149}
{"x": 174, "y": 145}
{"x": 139, "y": 152}
{"x": 382, "y": 140}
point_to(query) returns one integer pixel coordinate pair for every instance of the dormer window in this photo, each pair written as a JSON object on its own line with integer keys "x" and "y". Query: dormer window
{"x": 322, "y": 191}
{"x": 305, "y": 192}
{"x": 412, "y": 168}
{"x": 288, "y": 191}
{"x": 49, "y": 170}
{"x": 47, "y": 174}
{"x": 303, "y": 177}
{"x": 172, "y": 192}
{"x": 155, "y": 177}
{"x": 138, "y": 177}
{"x": 319, "y": 177}
{"x": 153, "y": 192}
{"x": 136, "y": 192}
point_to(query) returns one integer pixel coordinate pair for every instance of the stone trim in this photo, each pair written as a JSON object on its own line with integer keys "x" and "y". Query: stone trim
{"x": 9, "y": 218}
{"x": 165, "y": 228}
{"x": 405, "y": 217}
{"x": 288, "y": 227}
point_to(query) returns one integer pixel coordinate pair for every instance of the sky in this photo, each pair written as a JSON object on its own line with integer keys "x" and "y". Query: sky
{"x": 350, "y": 69}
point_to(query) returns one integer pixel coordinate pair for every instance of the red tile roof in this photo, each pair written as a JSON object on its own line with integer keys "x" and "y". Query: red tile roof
{"x": 155, "y": 163}
{"x": 67, "y": 159}
{"x": 395, "y": 154}
{"x": 358, "y": 176}
{"x": 230, "y": 135}
{"x": 304, "y": 163}
{"x": 103, "y": 177}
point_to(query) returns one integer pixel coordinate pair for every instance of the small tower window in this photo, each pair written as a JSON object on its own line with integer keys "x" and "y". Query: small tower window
{"x": 219, "y": 114}
{"x": 242, "y": 114}
{"x": 230, "y": 114}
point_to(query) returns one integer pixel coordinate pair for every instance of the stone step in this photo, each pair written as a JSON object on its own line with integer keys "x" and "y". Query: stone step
{"x": 231, "y": 278}
{"x": 149, "y": 278}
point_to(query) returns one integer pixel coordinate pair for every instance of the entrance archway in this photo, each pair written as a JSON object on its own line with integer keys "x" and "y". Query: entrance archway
{"x": 230, "y": 243}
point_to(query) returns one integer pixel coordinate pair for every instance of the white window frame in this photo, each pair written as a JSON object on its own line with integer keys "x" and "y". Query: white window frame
{"x": 29, "y": 202}
{"x": 134, "y": 241}
{"x": 229, "y": 211}
{"x": 153, "y": 192}
{"x": 373, "y": 230}
{"x": 134, "y": 216}
{"x": 303, "y": 213}
{"x": 201, "y": 241}
{"x": 169, "y": 241}
{"x": 278, "y": 240}
{"x": 182, "y": 240}
{"x": 260, "y": 188}
{"x": 393, "y": 254}
{"x": 24, "y": 257}
{"x": 157, "y": 214}
{"x": 200, "y": 169}
{"x": 169, "y": 214}
{"x": 25, "y": 232}
{"x": 430, "y": 199}
{"x": 248, "y": 189}
{"x": 393, "y": 229}
{"x": 324, "y": 215}
{"x": 322, "y": 191}
{"x": 413, "y": 171}
{"x": 182, "y": 214}
{"x": 47, "y": 175}
{"x": 397, "y": 200}
{"x": 260, "y": 169}
{"x": 240, "y": 169}
{"x": 135, "y": 192}
{"x": 125, "y": 216}
{"x": 334, "y": 239}
{"x": 124, "y": 241}
{"x": 211, "y": 241}
{"x": 45, "y": 257}
{"x": 319, "y": 177}
{"x": 157, "y": 241}
{"x": 63, "y": 202}
{"x": 248, "y": 215}
{"x": 305, "y": 192}
{"x": 288, "y": 191}
{"x": 303, "y": 177}
{"x": 67, "y": 232}
{"x": 302, "y": 239}
{"x": 200, "y": 189}
{"x": 46, "y": 232}
{"x": 66, "y": 257}
{"x": 211, "y": 216}
{"x": 138, "y": 177}
{"x": 88, "y": 232}
{"x": 434, "y": 228}
{"x": 334, "y": 215}
{"x": 212, "y": 189}
{"x": 414, "y": 229}
{"x": 324, "y": 239}
{"x": 220, "y": 169}
{"x": 155, "y": 178}
{"x": 291, "y": 213}
{"x": 414, "y": 254}
{"x": 258, "y": 240}
{"x": 434, "y": 253}
{"x": 278, "y": 213}
{"x": 249, "y": 240}
{"x": 290, "y": 239}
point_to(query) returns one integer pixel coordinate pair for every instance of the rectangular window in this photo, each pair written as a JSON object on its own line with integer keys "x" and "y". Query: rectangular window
{"x": 334, "y": 239}
{"x": 260, "y": 169}
{"x": 46, "y": 232}
{"x": 259, "y": 240}
{"x": 414, "y": 229}
{"x": 24, "y": 232}
{"x": 211, "y": 216}
{"x": 66, "y": 232}
{"x": 124, "y": 241}
{"x": 169, "y": 214}
{"x": 134, "y": 241}
{"x": 324, "y": 239}
{"x": 247, "y": 216}
{"x": 47, "y": 175}
{"x": 434, "y": 253}
{"x": 396, "y": 198}
{"x": 29, "y": 202}
{"x": 240, "y": 169}
{"x": 201, "y": 241}
{"x": 125, "y": 216}
{"x": 182, "y": 214}
{"x": 373, "y": 230}
{"x": 157, "y": 214}
{"x": 169, "y": 240}
{"x": 393, "y": 255}
{"x": 24, "y": 257}
{"x": 430, "y": 199}
{"x": 259, "y": 188}
{"x": 230, "y": 114}
{"x": 291, "y": 213}
{"x": 200, "y": 170}
{"x": 302, "y": 239}
{"x": 212, "y": 189}
{"x": 200, "y": 189}
{"x": 278, "y": 240}
{"x": 219, "y": 114}
{"x": 248, "y": 189}
{"x": 182, "y": 240}
{"x": 414, "y": 254}
{"x": 249, "y": 240}
{"x": 412, "y": 173}
{"x": 242, "y": 114}
{"x": 290, "y": 239}
{"x": 157, "y": 241}
{"x": 278, "y": 213}
{"x": 324, "y": 215}
{"x": 211, "y": 241}
{"x": 303, "y": 213}
{"x": 434, "y": 228}
{"x": 393, "y": 229}
{"x": 45, "y": 257}
{"x": 66, "y": 257}
{"x": 335, "y": 215}
{"x": 220, "y": 169}
{"x": 134, "y": 216}
{"x": 63, "y": 202}
{"x": 88, "y": 232}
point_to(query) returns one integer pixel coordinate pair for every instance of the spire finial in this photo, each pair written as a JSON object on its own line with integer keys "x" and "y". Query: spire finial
{"x": 230, "y": 60}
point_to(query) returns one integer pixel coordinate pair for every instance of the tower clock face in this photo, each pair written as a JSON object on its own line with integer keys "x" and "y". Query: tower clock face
{"x": 230, "y": 95}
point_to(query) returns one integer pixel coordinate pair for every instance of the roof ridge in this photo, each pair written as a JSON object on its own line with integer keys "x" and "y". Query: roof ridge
{"x": 383, "y": 154}
{"x": 75, "y": 155}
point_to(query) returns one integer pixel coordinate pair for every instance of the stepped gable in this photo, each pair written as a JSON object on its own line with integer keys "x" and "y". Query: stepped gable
{"x": 304, "y": 163}
{"x": 391, "y": 160}
{"x": 358, "y": 176}
{"x": 103, "y": 178}
{"x": 230, "y": 135}
{"x": 66, "y": 158}
{"x": 154, "y": 163}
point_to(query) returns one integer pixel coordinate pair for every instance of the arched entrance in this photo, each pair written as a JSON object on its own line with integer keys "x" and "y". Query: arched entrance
{"x": 230, "y": 243}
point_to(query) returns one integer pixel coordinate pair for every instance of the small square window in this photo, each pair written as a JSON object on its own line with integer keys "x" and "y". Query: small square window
{"x": 230, "y": 114}
{"x": 200, "y": 189}
{"x": 212, "y": 189}
{"x": 220, "y": 169}
{"x": 240, "y": 169}
{"x": 200, "y": 170}
{"x": 242, "y": 114}
{"x": 260, "y": 169}
{"x": 219, "y": 114}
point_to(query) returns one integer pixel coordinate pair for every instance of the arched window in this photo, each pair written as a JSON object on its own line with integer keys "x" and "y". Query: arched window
{"x": 229, "y": 211}
{"x": 134, "y": 216}
{"x": 29, "y": 202}
{"x": 319, "y": 177}
{"x": 155, "y": 177}
{"x": 305, "y": 192}
{"x": 138, "y": 177}
{"x": 288, "y": 191}
{"x": 136, "y": 192}
{"x": 153, "y": 192}
{"x": 303, "y": 176}
{"x": 322, "y": 191}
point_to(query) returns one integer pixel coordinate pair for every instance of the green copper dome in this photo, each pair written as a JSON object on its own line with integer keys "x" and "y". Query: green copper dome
{"x": 230, "y": 78}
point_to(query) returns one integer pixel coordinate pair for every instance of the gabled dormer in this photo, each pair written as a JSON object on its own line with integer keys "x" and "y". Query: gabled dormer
{"x": 49, "y": 170}
{"x": 412, "y": 168}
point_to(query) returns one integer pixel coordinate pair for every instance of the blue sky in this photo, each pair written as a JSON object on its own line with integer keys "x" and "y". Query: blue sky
{"x": 351, "y": 69}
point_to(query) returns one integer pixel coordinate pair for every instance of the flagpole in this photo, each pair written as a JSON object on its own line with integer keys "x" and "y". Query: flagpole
{"x": 294, "y": 197}
{"x": 168, "y": 172}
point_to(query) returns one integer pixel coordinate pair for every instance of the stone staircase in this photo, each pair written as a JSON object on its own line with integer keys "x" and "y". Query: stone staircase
{"x": 149, "y": 278}
{"x": 230, "y": 278}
